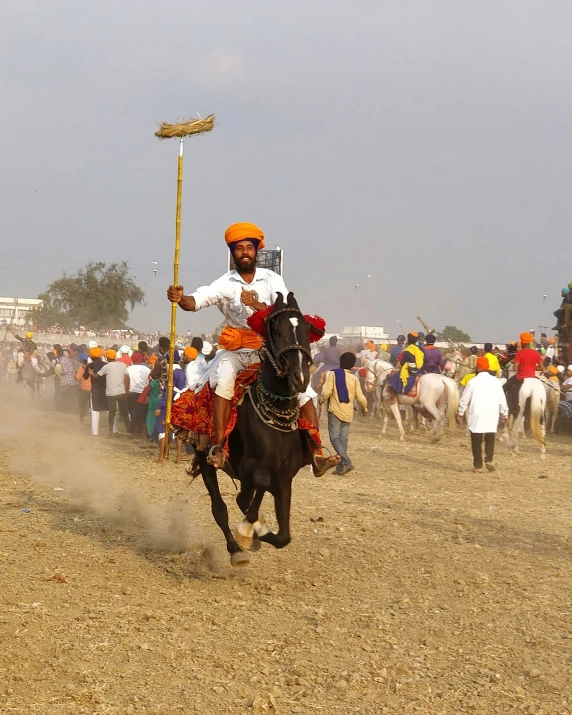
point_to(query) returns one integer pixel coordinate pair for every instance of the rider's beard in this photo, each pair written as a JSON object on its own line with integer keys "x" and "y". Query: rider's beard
{"x": 245, "y": 268}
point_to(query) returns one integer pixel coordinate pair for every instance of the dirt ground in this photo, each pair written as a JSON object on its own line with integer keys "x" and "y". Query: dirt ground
{"x": 410, "y": 586}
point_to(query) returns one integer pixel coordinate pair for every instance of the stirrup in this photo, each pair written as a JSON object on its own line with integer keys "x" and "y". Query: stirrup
{"x": 212, "y": 450}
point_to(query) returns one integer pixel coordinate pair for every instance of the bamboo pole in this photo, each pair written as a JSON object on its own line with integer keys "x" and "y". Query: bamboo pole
{"x": 179, "y": 130}
{"x": 173, "y": 335}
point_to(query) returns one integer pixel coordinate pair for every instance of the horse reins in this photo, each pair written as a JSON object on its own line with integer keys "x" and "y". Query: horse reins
{"x": 264, "y": 402}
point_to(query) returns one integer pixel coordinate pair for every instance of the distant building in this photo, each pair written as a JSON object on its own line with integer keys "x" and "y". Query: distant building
{"x": 16, "y": 310}
{"x": 363, "y": 332}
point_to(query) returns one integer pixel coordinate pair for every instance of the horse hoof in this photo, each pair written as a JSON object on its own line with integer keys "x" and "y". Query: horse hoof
{"x": 245, "y": 542}
{"x": 239, "y": 558}
{"x": 243, "y": 534}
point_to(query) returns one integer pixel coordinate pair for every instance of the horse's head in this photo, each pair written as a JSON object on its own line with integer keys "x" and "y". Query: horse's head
{"x": 288, "y": 343}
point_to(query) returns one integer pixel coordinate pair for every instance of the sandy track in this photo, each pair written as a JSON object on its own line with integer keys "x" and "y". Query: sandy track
{"x": 410, "y": 586}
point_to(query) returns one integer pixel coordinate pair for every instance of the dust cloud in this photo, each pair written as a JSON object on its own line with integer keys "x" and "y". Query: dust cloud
{"x": 49, "y": 450}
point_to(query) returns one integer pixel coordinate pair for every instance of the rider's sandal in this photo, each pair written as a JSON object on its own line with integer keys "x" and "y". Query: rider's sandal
{"x": 320, "y": 471}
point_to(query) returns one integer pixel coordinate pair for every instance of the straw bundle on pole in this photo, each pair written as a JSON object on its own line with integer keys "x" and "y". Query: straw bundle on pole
{"x": 179, "y": 131}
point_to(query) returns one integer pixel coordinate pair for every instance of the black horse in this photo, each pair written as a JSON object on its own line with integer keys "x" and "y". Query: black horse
{"x": 266, "y": 448}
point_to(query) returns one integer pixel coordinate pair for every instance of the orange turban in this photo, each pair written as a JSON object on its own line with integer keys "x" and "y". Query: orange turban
{"x": 95, "y": 353}
{"x": 191, "y": 353}
{"x": 153, "y": 359}
{"x": 483, "y": 363}
{"x": 553, "y": 370}
{"x": 242, "y": 231}
{"x": 110, "y": 354}
{"x": 525, "y": 338}
{"x": 550, "y": 340}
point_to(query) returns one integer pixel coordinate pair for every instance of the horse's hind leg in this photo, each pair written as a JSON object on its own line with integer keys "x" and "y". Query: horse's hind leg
{"x": 220, "y": 512}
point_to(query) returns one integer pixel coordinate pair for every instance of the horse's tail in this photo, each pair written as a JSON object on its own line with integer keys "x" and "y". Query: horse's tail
{"x": 537, "y": 413}
{"x": 452, "y": 400}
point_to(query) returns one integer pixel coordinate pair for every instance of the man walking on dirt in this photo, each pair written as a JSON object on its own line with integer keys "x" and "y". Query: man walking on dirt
{"x": 341, "y": 389}
{"x": 485, "y": 401}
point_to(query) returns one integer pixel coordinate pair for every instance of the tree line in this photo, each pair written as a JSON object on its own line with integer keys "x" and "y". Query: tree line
{"x": 97, "y": 296}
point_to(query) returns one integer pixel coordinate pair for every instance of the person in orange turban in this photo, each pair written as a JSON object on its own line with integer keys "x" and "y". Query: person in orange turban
{"x": 95, "y": 353}
{"x": 484, "y": 402}
{"x": 190, "y": 354}
{"x": 525, "y": 338}
{"x": 483, "y": 364}
{"x": 110, "y": 354}
{"x": 244, "y": 232}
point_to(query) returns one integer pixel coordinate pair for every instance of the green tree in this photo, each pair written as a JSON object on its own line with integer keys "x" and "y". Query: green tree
{"x": 96, "y": 296}
{"x": 452, "y": 333}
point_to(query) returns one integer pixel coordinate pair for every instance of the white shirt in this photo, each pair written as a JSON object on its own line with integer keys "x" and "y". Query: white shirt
{"x": 195, "y": 371}
{"x": 226, "y": 292}
{"x": 485, "y": 400}
{"x": 567, "y": 383}
{"x": 138, "y": 377}
{"x": 115, "y": 372}
{"x": 367, "y": 355}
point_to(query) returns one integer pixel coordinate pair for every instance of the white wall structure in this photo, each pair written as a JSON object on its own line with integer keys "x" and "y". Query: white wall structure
{"x": 16, "y": 310}
{"x": 363, "y": 332}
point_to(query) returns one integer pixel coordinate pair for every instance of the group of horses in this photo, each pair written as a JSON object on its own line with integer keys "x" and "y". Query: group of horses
{"x": 437, "y": 397}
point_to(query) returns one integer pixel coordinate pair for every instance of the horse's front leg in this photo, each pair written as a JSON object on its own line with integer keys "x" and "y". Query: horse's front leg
{"x": 248, "y": 532}
{"x": 282, "y": 501}
{"x": 220, "y": 512}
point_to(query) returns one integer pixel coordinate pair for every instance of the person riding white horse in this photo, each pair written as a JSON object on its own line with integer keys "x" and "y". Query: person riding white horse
{"x": 527, "y": 362}
{"x": 411, "y": 359}
{"x": 522, "y": 387}
{"x": 238, "y": 294}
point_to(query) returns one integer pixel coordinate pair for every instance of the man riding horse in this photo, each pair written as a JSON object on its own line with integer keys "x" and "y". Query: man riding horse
{"x": 28, "y": 345}
{"x": 29, "y": 348}
{"x": 411, "y": 360}
{"x": 527, "y": 362}
{"x": 238, "y": 294}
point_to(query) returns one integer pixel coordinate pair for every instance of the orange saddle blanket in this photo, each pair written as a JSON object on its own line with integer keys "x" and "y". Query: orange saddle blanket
{"x": 193, "y": 411}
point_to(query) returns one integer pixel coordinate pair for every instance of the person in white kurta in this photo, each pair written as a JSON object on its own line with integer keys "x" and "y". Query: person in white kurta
{"x": 227, "y": 293}
{"x": 238, "y": 294}
{"x": 484, "y": 401}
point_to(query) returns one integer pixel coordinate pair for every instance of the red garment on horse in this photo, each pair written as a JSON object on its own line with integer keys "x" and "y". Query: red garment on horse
{"x": 193, "y": 411}
{"x": 527, "y": 361}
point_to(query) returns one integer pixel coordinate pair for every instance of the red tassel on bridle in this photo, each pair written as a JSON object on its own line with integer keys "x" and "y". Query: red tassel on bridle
{"x": 317, "y": 327}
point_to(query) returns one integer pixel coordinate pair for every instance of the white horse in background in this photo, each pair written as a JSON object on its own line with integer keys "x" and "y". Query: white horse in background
{"x": 532, "y": 388}
{"x": 437, "y": 397}
{"x": 552, "y": 389}
{"x": 377, "y": 373}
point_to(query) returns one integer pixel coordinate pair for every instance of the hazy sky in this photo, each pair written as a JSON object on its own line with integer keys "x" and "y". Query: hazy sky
{"x": 426, "y": 143}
